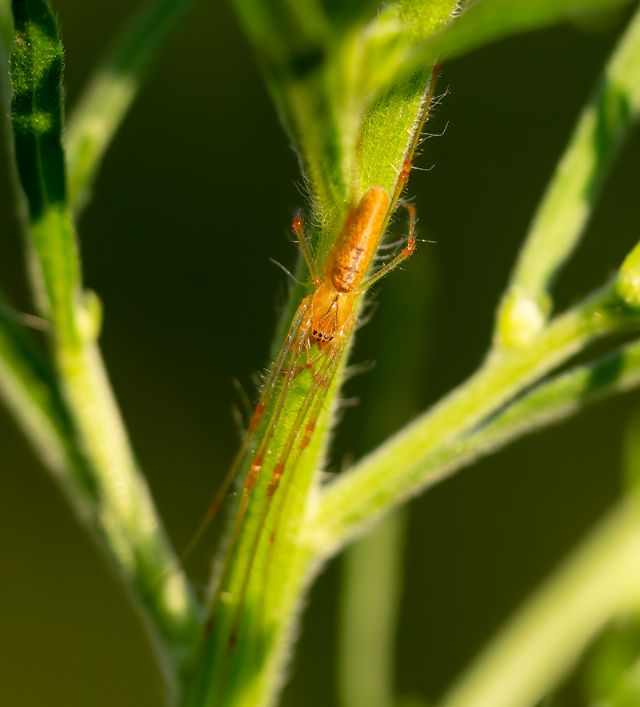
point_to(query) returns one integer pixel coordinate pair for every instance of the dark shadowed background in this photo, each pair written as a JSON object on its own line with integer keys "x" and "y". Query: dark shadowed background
{"x": 194, "y": 197}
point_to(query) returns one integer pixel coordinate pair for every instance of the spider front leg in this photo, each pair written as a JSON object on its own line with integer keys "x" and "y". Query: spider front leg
{"x": 297, "y": 226}
{"x": 297, "y": 440}
{"x": 400, "y": 257}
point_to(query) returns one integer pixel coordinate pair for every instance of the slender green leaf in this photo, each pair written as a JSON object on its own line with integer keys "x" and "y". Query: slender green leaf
{"x": 128, "y": 520}
{"x": 29, "y": 388}
{"x": 36, "y": 112}
{"x": 111, "y": 91}
{"x": 560, "y": 220}
{"x": 36, "y": 75}
{"x": 486, "y": 21}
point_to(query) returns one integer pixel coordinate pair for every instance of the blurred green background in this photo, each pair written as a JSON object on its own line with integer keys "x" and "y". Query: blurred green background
{"x": 194, "y": 197}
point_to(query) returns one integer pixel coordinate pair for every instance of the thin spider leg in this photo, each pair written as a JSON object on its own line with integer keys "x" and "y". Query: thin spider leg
{"x": 297, "y": 227}
{"x": 315, "y": 395}
{"x": 309, "y": 428}
{"x": 405, "y": 171}
{"x": 343, "y": 271}
{"x": 249, "y": 438}
{"x": 29, "y": 320}
{"x": 257, "y": 460}
{"x": 311, "y": 359}
{"x": 401, "y": 256}
{"x": 242, "y": 510}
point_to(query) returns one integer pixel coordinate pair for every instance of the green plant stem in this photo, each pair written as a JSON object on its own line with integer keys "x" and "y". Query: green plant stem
{"x": 550, "y": 402}
{"x": 546, "y": 404}
{"x": 349, "y": 127}
{"x": 440, "y": 446}
{"x": 398, "y": 469}
{"x": 123, "y": 509}
{"x": 248, "y": 616}
{"x": 631, "y": 452}
{"x": 560, "y": 220}
{"x": 28, "y": 387}
{"x": 373, "y": 568}
{"x": 110, "y": 93}
{"x": 626, "y": 691}
{"x": 600, "y": 580}
{"x": 369, "y": 605}
{"x": 490, "y": 20}
{"x": 30, "y": 390}
{"x": 6, "y": 25}
{"x": 609, "y": 676}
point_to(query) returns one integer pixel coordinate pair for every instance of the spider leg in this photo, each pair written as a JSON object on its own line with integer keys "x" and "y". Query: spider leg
{"x": 400, "y": 257}
{"x": 293, "y": 349}
{"x": 289, "y": 344}
{"x": 300, "y": 434}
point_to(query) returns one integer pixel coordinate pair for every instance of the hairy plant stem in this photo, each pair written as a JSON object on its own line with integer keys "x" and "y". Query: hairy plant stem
{"x": 349, "y": 94}
{"x": 112, "y": 89}
{"x": 431, "y": 446}
{"x": 559, "y": 223}
{"x": 600, "y": 580}
{"x": 121, "y": 505}
{"x": 125, "y": 510}
{"x": 398, "y": 468}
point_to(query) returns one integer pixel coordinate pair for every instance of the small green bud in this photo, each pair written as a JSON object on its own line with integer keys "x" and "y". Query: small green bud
{"x": 628, "y": 284}
{"x": 520, "y": 320}
{"x": 90, "y": 316}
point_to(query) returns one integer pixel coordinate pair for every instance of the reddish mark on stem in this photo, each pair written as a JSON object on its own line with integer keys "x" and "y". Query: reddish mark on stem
{"x": 308, "y": 432}
{"x": 278, "y": 470}
{"x": 256, "y": 418}
{"x": 254, "y": 471}
{"x": 325, "y": 318}
{"x": 403, "y": 176}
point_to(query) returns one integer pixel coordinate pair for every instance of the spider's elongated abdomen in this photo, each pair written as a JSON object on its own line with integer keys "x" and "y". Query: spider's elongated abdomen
{"x": 346, "y": 265}
{"x": 351, "y": 256}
